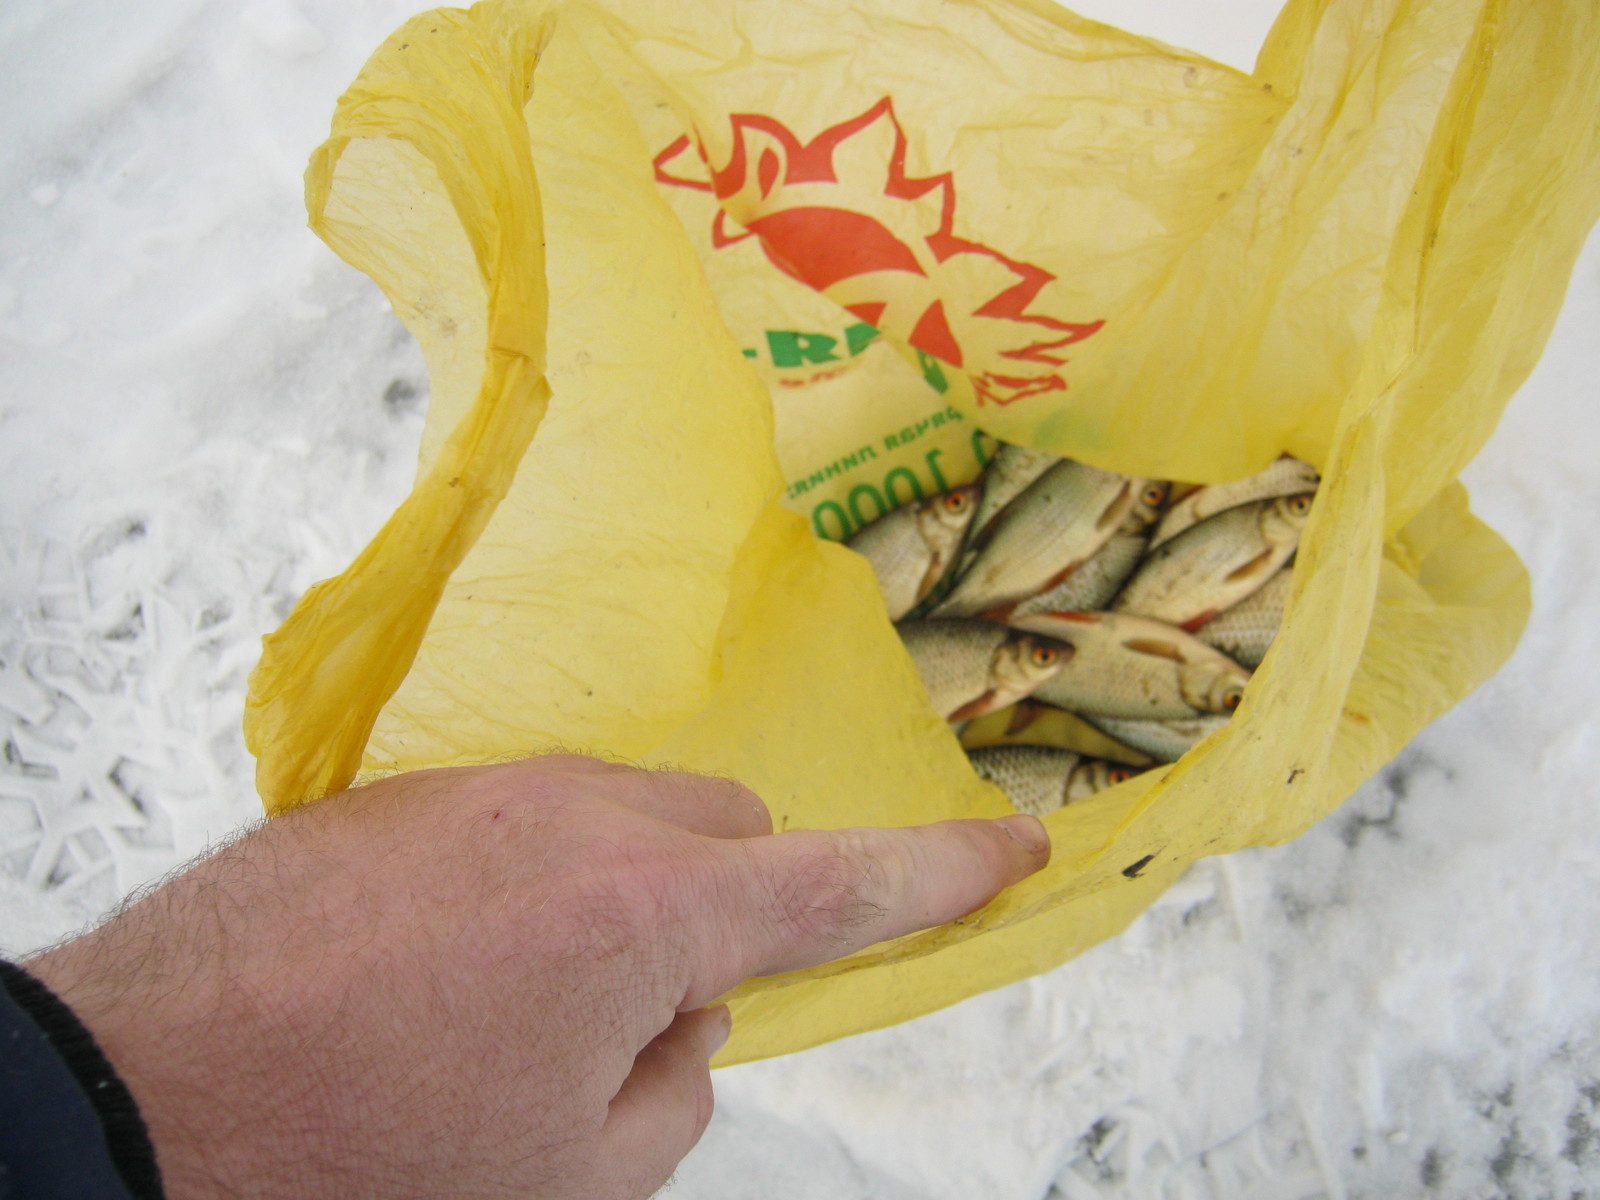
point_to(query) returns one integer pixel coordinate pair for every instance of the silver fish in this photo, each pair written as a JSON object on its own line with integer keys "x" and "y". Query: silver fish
{"x": 1029, "y": 723}
{"x": 912, "y": 547}
{"x": 1093, "y": 586}
{"x": 1040, "y": 779}
{"x": 1045, "y": 534}
{"x": 1286, "y": 477}
{"x": 1132, "y": 667}
{"x": 974, "y": 667}
{"x": 1217, "y": 563}
{"x": 1008, "y": 474}
{"x": 1244, "y": 631}
{"x": 1165, "y": 741}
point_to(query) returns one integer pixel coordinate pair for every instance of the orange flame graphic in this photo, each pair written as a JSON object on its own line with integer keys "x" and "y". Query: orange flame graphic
{"x": 840, "y": 214}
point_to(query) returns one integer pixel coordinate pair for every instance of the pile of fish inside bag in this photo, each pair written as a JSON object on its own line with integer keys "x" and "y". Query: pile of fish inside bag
{"x": 1077, "y": 626}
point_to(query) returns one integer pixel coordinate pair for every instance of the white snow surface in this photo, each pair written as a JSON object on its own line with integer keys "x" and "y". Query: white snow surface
{"x": 202, "y": 412}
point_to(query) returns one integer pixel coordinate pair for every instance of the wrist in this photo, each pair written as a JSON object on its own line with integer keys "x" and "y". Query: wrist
{"x": 105, "y": 1098}
{"x": 205, "y": 1075}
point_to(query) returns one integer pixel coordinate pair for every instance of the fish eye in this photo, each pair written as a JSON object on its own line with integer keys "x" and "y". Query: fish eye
{"x": 1231, "y": 701}
{"x": 1045, "y": 656}
{"x": 955, "y": 501}
{"x": 1155, "y": 493}
{"x": 1119, "y": 774}
{"x": 1300, "y": 505}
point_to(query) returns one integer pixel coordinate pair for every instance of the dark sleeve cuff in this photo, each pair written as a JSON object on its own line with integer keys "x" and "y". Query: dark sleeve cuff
{"x": 69, "y": 1127}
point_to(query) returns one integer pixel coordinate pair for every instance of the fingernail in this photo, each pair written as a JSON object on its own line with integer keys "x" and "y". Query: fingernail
{"x": 1027, "y": 831}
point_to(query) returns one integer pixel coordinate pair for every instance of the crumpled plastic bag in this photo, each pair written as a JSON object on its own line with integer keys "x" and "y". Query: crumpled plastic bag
{"x": 698, "y": 282}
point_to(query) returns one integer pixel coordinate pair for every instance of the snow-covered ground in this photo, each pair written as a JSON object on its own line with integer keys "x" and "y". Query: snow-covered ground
{"x": 202, "y": 412}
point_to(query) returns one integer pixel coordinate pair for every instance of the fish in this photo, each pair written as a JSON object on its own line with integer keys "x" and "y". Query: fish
{"x": 970, "y": 668}
{"x": 1286, "y": 477}
{"x": 912, "y": 547}
{"x": 1093, "y": 586}
{"x": 1053, "y": 527}
{"x": 1029, "y": 723}
{"x": 1041, "y": 779}
{"x": 1215, "y": 564}
{"x": 1166, "y": 741}
{"x": 1008, "y": 474}
{"x": 1135, "y": 668}
{"x": 1244, "y": 631}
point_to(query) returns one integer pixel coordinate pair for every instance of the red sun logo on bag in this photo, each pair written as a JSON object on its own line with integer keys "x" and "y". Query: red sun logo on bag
{"x": 840, "y": 214}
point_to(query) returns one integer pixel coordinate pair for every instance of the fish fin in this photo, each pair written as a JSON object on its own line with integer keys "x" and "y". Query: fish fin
{"x": 1156, "y": 647}
{"x": 1194, "y": 623}
{"x": 980, "y": 538}
{"x": 1118, "y": 508}
{"x": 931, "y": 577}
{"x": 973, "y": 708}
{"x": 1083, "y": 618}
{"x": 1002, "y": 614}
{"x": 1021, "y": 717}
{"x": 1060, "y": 577}
{"x": 1255, "y": 566}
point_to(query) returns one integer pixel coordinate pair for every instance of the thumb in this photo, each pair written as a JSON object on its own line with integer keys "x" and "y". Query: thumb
{"x": 665, "y": 1103}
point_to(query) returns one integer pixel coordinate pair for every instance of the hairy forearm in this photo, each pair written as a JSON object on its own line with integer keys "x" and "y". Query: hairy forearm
{"x": 198, "y": 995}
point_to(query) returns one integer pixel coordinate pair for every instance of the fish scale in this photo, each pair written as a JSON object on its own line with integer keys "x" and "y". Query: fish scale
{"x": 1054, "y": 525}
{"x": 1245, "y": 631}
{"x": 1127, "y": 666}
{"x": 965, "y": 663}
{"x": 1092, "y": 586}
{"x": 953, "y": 658}
{"x": 1214, "y": 564}
{"x": 1164, "y": 740}
{"x": 1008, "y": 474}
{"x": 1042, "y": 779}
{"x": 898, "y": 555}
{"x": 911, "y": 547}
{"x": 1285, "y": 477}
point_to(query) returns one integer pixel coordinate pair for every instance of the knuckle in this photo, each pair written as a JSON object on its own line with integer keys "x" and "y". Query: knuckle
{"x": 650, "y": 883}
{"x": 539, "y": 782}
{"x": 739, "y": 798}
{"x": 727, "y": 795}
{"x": 518, "y": 790}
{"x": 831, "y": 893}
{"x": 627, "y": 899}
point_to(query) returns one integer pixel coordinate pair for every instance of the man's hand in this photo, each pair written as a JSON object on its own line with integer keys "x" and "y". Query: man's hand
{"x": 485, "y": 982}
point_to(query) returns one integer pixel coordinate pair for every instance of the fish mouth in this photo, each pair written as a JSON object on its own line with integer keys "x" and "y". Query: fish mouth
{"x": 1210, "y": 690}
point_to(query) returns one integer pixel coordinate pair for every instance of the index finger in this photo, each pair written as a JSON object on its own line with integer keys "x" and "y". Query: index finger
{"x": 805, "y": 898}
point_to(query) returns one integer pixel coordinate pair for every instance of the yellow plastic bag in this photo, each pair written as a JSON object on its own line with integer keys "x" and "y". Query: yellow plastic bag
{"x": 698, "y": 281}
